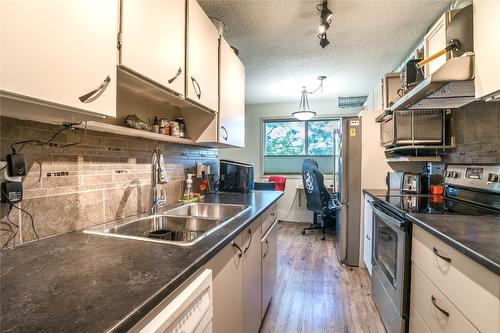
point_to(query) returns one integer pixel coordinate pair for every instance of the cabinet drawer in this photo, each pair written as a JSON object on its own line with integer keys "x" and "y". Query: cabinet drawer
{"x": 461, "y": 280}
{"x": 417, "y": 324}
{"x": 268, "y": 217}
{"x": 428, "y": 300}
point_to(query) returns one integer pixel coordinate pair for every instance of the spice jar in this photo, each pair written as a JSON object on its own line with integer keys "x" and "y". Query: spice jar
{"x": 164, "y": 126}
{"x": 174, "y": 129}
{"x": 182, "y": 127}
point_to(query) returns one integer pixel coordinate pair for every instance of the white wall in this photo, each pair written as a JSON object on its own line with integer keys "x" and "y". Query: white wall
{"x": 254, "y": 114}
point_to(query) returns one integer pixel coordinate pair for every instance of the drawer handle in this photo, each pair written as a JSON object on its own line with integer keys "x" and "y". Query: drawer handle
{"x": 179, "y": 71}
{"x": 433, "y": 300}
{"x": 94, "y": 94}
{"x": 441, "y": 256}
{"x": 267, "y": 249}
{"x": 250, "y": 242}
{"x": 239, "y": 248}
{"x": 196, "y": 86}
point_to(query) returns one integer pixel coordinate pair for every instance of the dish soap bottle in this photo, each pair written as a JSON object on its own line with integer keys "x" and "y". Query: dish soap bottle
{"x": 188, "y": 194}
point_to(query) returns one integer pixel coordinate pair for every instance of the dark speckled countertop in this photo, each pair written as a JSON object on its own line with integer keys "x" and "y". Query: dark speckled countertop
{"x": 478, "y": 237}
{"x": 79, "y": 282}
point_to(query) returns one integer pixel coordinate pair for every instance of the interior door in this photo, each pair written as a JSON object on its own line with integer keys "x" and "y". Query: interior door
{"x": 153, "y": 40}
{"x": 202, "y": 76}
{"x": 232, "y": 97}
{"x": 62, "y": 52}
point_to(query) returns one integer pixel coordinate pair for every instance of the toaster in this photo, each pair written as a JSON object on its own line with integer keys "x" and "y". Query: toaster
{"x": 417, "y": 183}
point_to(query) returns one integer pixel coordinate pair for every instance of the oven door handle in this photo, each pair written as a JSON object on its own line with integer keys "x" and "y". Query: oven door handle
{"x": 385, "y": 217}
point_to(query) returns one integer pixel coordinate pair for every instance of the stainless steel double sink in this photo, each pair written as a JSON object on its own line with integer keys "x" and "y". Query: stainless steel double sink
{"x": 184, "y": 225}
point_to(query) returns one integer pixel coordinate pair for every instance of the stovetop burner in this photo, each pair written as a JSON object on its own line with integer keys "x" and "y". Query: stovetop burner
{"x": 436, "y": 205}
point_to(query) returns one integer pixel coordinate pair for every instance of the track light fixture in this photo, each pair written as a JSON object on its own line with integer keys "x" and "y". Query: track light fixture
{"x": 325, "y": 21}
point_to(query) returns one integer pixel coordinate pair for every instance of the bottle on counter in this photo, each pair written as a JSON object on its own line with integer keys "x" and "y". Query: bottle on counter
{"x": 182, "y": 127}
{"x": 174, "y": 129}
{"x": 156, "y": 125}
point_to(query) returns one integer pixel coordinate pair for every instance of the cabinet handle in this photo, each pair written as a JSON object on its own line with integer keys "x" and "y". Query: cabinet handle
{"x": 224, "y": 137}
{"x": 433, "y": 300}
{"x": 250, "y": 242}
{"x": 196, "y": 87}
{"x": 94, "y": 94}
{"x": 267, "y": 249}
{"x": 440, "y": 256}
{"x": 239, "y": 249}
{"x": 179, "y": 71}
{"x": 368, "y": 237}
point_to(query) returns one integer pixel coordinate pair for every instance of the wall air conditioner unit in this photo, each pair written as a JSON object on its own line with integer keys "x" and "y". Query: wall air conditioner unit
{"x": 351, "y": 102}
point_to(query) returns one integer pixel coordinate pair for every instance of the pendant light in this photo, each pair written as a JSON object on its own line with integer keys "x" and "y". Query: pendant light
{"x": 304, "y": 112}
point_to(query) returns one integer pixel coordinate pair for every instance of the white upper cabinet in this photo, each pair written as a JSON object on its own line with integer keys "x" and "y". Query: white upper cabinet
{"x": 202, "y": 67}
{"x": 60, "y": 52}
{"x": 153, "y": 40}
{"x": 232, "y": 97}
{"x": 487, "y": 48}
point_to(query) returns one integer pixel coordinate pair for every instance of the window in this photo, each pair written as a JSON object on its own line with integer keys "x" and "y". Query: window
{"x": 288, "y": 142}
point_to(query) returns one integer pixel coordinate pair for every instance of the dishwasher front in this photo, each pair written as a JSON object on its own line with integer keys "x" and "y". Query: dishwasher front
{"x": 190, "y": 311}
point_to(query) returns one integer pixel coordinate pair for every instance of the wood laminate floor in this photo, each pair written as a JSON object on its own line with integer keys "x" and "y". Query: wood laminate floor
{"x": 314, "y": 293}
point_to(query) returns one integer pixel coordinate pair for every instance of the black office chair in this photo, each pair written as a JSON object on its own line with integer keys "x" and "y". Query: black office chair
{"x": 319, "y": 201}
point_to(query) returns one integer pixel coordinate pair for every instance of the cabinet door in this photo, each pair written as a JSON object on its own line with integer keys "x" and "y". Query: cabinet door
{"x": 434, "y": 41}
{"x": 202, "y": 76}
{"x": 486, "y": 47}
{"x": 252, "y": 284}
{"x": 153, "y": 40}
{"x": 269, "y": 265}
{"x": 227, "y": 272}
{"x": 232, "y": 97}
{"x": 62, "y": 52}
{"x": 367, "y": 246}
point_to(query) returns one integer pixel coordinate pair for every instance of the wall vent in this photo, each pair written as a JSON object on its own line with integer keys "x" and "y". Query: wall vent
{"x": 351, "y": 102}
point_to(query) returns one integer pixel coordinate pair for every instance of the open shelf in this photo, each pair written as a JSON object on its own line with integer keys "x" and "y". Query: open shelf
{"x": 122, "y": 130}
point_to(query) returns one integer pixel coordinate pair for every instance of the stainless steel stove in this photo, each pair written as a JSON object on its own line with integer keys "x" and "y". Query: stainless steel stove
{"x": 469, "y": 190}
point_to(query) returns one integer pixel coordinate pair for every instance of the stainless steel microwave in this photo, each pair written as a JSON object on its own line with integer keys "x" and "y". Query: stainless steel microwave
{"x": 413, "y": 127}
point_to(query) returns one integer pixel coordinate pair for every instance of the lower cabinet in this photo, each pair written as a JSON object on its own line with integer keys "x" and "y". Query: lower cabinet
{"x": 227, "y": 272}
{"x": 367, "y": 240}
{"x": 449, "y": 291}
{"x": 269, "y": 250}
{"x": 252, "y": 284}
{"x": 244, "y": 277}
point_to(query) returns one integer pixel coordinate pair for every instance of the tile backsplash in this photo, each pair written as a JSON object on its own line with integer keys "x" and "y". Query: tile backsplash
{"x": 103, "y": 178}
{"x": 477, "y": 133}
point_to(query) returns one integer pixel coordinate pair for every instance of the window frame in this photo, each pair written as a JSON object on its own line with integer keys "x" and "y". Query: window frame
{"x": 265, "y": 120}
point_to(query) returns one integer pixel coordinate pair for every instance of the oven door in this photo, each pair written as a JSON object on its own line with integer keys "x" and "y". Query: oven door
{"x": 389, "y": 255}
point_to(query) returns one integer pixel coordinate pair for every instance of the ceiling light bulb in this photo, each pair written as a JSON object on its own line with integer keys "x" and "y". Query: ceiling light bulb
{"x": 323, "y": 27}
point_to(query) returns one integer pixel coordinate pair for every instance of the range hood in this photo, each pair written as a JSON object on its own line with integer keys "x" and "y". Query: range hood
{"x": 449, "y": 87}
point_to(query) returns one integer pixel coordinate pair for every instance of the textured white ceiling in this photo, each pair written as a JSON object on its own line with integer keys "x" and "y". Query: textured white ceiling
{"x": 278, "y": 43}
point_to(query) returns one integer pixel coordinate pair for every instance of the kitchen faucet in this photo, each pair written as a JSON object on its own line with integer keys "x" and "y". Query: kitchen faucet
{"x": 158, "y": 176}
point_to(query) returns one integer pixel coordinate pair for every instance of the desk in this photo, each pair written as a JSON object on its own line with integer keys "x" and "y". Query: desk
{"x": 300, "y": 188}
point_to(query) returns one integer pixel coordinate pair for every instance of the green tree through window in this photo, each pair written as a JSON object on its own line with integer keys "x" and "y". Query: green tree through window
{"x": 288, "y": 142}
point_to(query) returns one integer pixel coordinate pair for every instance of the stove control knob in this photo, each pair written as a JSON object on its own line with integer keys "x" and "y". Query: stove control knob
{"x": 493, "y": 178}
